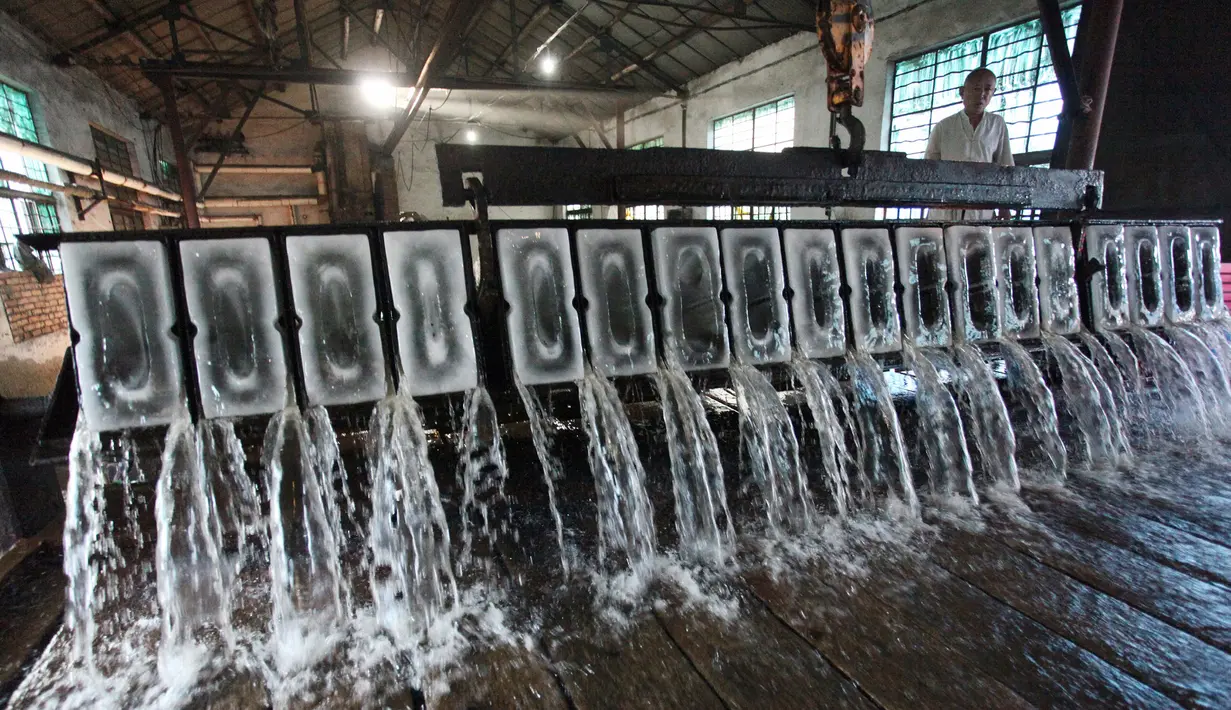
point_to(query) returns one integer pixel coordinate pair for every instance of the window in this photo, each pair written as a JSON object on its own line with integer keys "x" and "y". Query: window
{"x": 113, "y": 154}
{"x": 768, "y": 128}
{"x": 23, "y": 215}
{"x": 644, "y": 212}
{"x": 925, "y": 90}
{"x": 578, "y": 211}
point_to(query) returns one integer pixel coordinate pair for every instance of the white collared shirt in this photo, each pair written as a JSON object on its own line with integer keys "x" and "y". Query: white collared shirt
{"x": 953, "y": 138}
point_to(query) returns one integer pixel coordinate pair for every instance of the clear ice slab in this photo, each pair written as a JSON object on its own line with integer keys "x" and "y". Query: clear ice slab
{"x": 1207, "y": 253}
{"x": 752, "y": 263}
{"x": 1179, "y": 288}
{"x": 1059, "y": 311}
{"x": 335, "y": 297}
{"x": 817, "y": 309}
{"x": 121, "y": 306}
{"x": 1145, "y": 277}
{"x": 972, "y": 268}
{"x": 618, "y": 319}
{"x": 874, "y": 304}
{"x": 1015, "y": 281}
{"x": 1105, "y": 245}
{"x": 241, "y": 365}
{"x": 427, "y": 276}
{"x": 923, "y": 273}
{"x": 689, "y": 280}
{"x": 544, "y": 335}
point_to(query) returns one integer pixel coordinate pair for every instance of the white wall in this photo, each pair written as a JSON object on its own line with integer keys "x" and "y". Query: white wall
{"x": 65, "y": 102}
{"x": 795, "y": 66}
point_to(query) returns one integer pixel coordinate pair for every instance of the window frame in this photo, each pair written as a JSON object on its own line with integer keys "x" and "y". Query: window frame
{"x": 38, "y": 213}
{"x": 734, "y": 212}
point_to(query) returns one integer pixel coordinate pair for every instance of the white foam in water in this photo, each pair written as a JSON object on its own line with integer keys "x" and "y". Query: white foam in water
{"x": 120, "y": 301}
{"x": 972, "y": 268}
{"x": 241, "y": 366}
{"x": 427, "y": 275}
{"x": 690, "y": 283}
{"x": 618, "y": 319}
{"x": 1177, "y": 261}
{"x": 335, "y": 296}
{"x": 1207, "y": 256}
{"x": 537, "y": 273}
{"x": 1055, "y": 262}
{"x": 923, "y": 274}
{"x": 818, "y": 312}
{"x": 752, "y": 262}
{"x": 874, "y": 305}
{"x": 1015, "y": 272}
{"x": 1105, "y": 244}
{"x": 1145, "y": 277}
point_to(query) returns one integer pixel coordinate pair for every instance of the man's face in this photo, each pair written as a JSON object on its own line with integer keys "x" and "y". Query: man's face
{"x": 977, "y": 93}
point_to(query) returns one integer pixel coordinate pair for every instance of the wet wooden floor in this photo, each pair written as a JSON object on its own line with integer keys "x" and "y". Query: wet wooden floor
{"x": 1091, "y": 595}
{"x": 1098, "y": 593}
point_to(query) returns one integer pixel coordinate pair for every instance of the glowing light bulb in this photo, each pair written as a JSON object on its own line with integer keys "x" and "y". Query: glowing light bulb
{"x": 378, "y": 92}
{"x": 549, "y": 65}
{"x": 472, "y": 136}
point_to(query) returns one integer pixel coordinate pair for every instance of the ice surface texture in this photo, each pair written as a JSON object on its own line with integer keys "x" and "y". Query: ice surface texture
{"x": 1055, "y": 262}
{"x": 618, "y": 320}
{"x": 1015, "y": 281}
{"x": 1145, "y": 276}
{"x": 1207, "y": 256}
{"x": 752, "y": 262}
{"x": 241, "y": 366}
{"x": 427, "y": 275}
{"x": 816, "y": 301}
{"x": 686, "y": 267}
{"x": 874, "y": 304}
{"x": 1179, "y": 287}
{"x": 923, "y": 273}
{"x": 120, "y": 300}
{"x": 1105, "y": 244}
{"x": 972, "y": 268}
{"x": 537, "y": 274}
{"x": 335, "y": 297}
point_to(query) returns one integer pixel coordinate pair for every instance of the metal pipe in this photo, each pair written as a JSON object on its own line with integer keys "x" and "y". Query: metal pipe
{"x": 264, "y": 201}
{"x": 259, "y": 169}
{"x": 74, "y": 190}
{"x": 246, "y": 220}
{"x": 80, "y": 166}
{"x": 1097, "y": 54}
{"x": 188, "y": 188}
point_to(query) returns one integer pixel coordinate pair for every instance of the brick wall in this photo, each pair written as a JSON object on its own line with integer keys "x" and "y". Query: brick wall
{"x": 33, "y": 308}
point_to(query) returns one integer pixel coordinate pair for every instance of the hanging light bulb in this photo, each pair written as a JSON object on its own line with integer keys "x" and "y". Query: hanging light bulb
{"x": 549, "y": 64}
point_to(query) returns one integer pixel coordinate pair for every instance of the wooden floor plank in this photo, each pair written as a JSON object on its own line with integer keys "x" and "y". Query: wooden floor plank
{"x": 501, "y": 677}
{"x": 1199, "y": 514}
{"x": 1196, "y": 606}
{"x": 890, "y": 658}
{"x": 1041, "y": 666}
{"x": 31, "y": 606}
{"x": 753, "y": 657}
{"x": 1113, "y": 523}
{"x": 1176, "y": 663}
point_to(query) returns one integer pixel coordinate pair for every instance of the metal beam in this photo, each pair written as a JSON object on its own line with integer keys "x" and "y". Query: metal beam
{"x": 182, "y": 163}
{"x": 345, "y": 36}
{"x": 604, "y": 36}
{"x": 117, "y": 28}
{"x": 1098, "y": 51}
{"x": 303, "y": 34}
{"x": 340, "y": 77}
{"x": 702, "y": 24}
{"x": 1052, "y": 19}
{"x": 540, "y": 13}
{"x": 239, "y": 127}
{"x": 349, "y": 12}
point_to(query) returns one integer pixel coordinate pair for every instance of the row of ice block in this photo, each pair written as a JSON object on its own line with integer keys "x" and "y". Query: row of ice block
{"x": 1148, "y": 274}
{"x": 123, "y": 309}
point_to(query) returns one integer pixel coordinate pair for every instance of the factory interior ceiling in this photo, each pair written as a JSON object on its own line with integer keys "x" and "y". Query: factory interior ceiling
{"x": 224, "y": 54}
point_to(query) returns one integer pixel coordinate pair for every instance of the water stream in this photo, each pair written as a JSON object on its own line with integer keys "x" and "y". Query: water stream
{"x": 702, "y": 518}
{"x": 881, "y": 451}
{"x": 625, "y": 515}
{"x": 482, "y": 473}
{"x": 821, "y": 390}
{"x": 1040, "y": 426}
{"x": 537, "y": 417}
{"x": 940, "y": 429}
{"x": 1174, "y": 397}
{"x": 989, "y": 419}
{"x": 1083, "y": 401}
{"x": 1208, "y": 374}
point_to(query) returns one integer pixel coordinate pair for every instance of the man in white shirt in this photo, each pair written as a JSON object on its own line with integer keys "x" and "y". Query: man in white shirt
{"x": 973, "y": 135}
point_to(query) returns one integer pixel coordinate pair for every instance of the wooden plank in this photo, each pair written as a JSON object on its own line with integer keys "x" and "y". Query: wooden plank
{"x": 1205, "y": 515}
{"x": 887, "y": 655}
{"x": 753, "y": 656}
{"x": 501, "y": 677}
{"x": 1044, "y": 668}
{"x": 1198, "y": 607}
{"x": 1180, "y": 665}
{"x": 1111, "y": 522}
{"x": 31, "y": 606}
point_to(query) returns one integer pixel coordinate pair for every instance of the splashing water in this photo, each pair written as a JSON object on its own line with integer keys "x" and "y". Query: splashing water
{"x": 1024, "y": 383}
{"x": 1172, "y": 385}
{"x": 1109, "y": 373}
{"x": 1216, "y": 337}
{"x": 552, "y": 469}
{"x": 768, "y": 438}
{"x": 1208, "y": 372}
{"x": 878, "y": 425}
{"x": 989, "y": 418}
{"x": 411, "y": 574}
{"x": 940, "y": 428}
{"x": 240, "y": 530}
{"x": 820, "y": 391}
{"x": 481, "y": 472}
{"x": 702, "y": 519}
{"x": 304, "y": 552}
{"x": 625, "y": 515}
{"x": 191, "y": 592}
{"x": 1130, "y": 371}
{"x": 1083, "y": 401}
